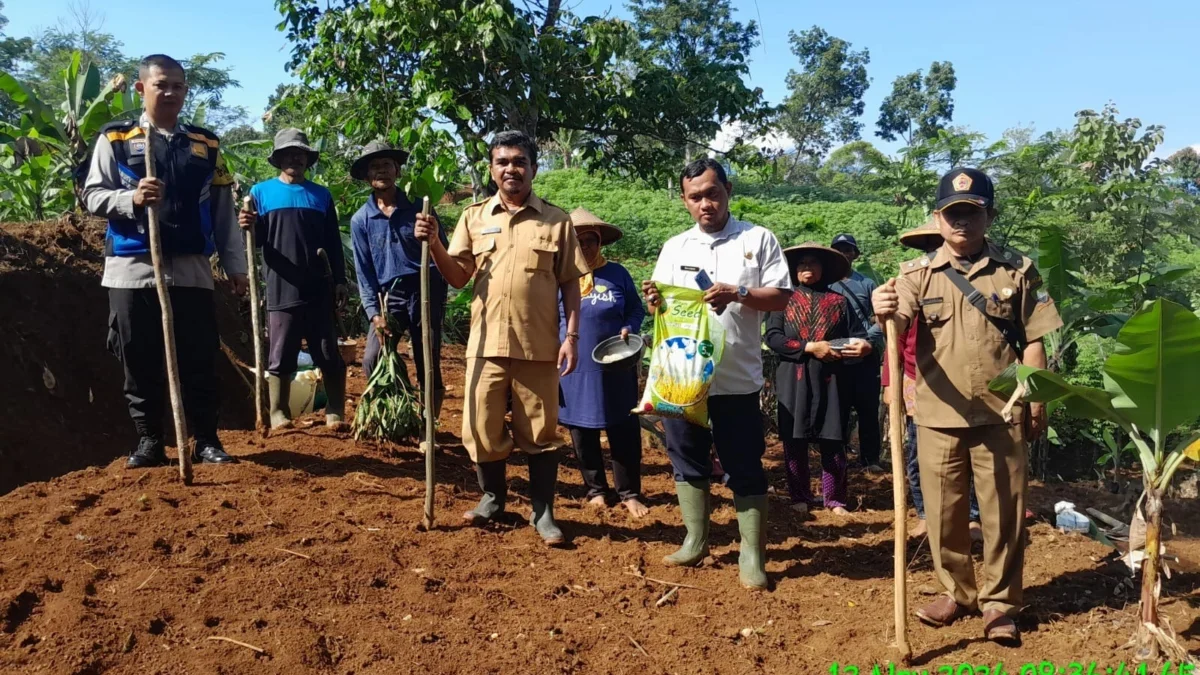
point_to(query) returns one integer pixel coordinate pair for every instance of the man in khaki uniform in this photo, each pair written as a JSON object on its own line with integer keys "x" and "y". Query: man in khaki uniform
{"x": 522, "y": 253}
{"x": 961, "y": 428}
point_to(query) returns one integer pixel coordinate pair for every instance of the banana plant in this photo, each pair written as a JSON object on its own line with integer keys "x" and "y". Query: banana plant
{"x": 1151, "y": 388}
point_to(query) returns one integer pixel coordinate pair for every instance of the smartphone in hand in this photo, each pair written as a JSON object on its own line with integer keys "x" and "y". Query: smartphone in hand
{"x": 705, "y": 283}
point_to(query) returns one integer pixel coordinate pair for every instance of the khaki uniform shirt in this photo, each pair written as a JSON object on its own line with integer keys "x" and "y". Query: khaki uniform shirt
{"x": 958, "y": 350}
{"x": 520, "y": 261}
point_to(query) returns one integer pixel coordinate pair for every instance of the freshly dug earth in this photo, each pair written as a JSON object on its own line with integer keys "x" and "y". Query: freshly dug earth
{"x": 62, "y": 389}
{"x": 307, "y": 550}
{"x": 307, "y": 553}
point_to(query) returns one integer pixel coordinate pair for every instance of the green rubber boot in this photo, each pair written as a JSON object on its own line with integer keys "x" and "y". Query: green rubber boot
{"x": 278, "y": 394}
{"x": 752, "y": 554}
{"x": 695, "y": 510}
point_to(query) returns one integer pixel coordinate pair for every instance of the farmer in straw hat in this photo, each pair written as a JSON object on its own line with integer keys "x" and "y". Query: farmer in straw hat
{"x": 522, "y": 253}
{"x": 387, "y": 260}
{"x": 194, "y": 199}
{"x": 595, "y": 399}
{"x": 294, "y": 217}
{"x": 978, "y": 308}
{"x": 928, "y": 239}
{"x": 812, "y": 336}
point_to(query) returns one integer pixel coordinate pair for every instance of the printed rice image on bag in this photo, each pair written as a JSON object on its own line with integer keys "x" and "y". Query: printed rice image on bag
{"x": 688, "y": 341}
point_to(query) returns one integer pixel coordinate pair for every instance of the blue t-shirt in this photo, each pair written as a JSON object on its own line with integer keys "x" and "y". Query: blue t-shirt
{"x": 594, "y": 398}
{"x": 294, "y": 221}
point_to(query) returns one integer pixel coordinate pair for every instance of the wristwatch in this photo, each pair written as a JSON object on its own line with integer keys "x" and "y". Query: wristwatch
{"x": 572, "y": 337}
{"x": 743, "y": 292}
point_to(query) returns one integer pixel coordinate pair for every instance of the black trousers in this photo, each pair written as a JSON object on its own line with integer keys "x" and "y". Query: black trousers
{"x": 625, "y": 446}
{"x": 404, "y": 304}
{"x": 865, "y": 390}
{"x": 312, "y": 322}
{"x": 135, "y": 336}
{"x": 737, "y": 433}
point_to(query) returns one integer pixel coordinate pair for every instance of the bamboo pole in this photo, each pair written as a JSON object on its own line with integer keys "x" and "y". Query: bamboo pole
{"x": 899, "y": 485}
{"x": 428, "y": 386}
{"x": 255, "y": 323}
{"x": 182, "y": 440}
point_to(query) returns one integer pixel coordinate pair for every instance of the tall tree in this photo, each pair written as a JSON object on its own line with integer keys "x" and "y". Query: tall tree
{"x": 825, "y": 99}
{"x": 689, "y": 66}
{"x": 80, "y": 31}
{"x": 12, "y": 52}
{"x": 1185, "y": 167}
{"x": 918, "y": 106}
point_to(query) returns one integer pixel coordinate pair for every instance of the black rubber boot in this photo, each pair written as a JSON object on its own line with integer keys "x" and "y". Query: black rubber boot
{"x": 335, "y": 406}
{"x": 279, "y": 392}
{"x": 494, "y": 483}
{"x": 543, "y": 483}
{"x": 150, "y": 452}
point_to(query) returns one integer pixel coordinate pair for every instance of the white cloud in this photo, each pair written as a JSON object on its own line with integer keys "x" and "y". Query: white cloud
{"x": 731, "y": 132}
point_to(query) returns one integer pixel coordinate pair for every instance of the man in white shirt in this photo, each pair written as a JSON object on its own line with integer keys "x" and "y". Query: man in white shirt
{"x": 750, "y": 277}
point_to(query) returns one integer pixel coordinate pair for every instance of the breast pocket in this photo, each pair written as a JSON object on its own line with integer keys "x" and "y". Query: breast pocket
{"x": 541, "y": 256}
{"x": 937, "y": 316}
{"x": 483, "y": 251}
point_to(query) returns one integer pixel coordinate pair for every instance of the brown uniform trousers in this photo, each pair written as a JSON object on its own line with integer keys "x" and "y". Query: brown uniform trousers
{"x": 960, "y": 429}
{"x": 520, "y": 261}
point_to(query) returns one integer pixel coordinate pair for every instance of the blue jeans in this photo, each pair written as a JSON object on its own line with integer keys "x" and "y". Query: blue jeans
{"x": 914, "y": 474}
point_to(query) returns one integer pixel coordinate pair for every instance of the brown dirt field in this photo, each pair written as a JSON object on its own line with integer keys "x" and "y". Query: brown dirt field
{"x": 308, "y": 550}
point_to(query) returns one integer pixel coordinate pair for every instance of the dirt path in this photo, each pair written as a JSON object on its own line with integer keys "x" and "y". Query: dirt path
{"x": 307, "y": 550}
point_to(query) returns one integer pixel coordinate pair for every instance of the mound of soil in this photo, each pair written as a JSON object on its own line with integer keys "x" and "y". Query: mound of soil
{"x": 62, "y": 389}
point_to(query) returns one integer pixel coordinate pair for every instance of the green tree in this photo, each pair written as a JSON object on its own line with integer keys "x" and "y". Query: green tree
{"x": 52, "y": 52}
{"x": 688, "y": 67}
{"x": 825, "y": 100}
{"x": 12, "y": 50}
{"x": 1185, "y": 167}
{"x": 918, "y": 106}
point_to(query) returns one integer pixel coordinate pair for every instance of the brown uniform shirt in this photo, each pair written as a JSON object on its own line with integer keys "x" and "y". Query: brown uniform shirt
{"x": 958, "y": 350}
{"x": 520, "y": 261}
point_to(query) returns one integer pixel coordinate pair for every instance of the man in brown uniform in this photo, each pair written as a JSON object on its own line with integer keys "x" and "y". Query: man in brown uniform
{"x": 979, "y": 307}
{"x": 522, "y": 253}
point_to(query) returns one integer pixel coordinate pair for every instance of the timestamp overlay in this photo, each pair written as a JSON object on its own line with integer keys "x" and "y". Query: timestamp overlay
{"x": 1018, "y": 668}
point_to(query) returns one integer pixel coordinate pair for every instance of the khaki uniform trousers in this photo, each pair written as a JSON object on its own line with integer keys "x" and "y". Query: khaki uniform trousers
{"x": 996, "y": 455}
{"x": 534, "y": 389}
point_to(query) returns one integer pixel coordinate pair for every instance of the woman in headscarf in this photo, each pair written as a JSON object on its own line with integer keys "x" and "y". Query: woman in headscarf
{"x": 811, "y": 336}
{"x": 594, "y": 399}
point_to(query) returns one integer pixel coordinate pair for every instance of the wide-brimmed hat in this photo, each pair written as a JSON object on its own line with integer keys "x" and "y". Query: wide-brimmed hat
{"x": 586, "y": 221}
{"x": 375, "y": 150}
{"x": 292, "y": 138}
{"x": 924, "y": 238}
{"x": 834, "y": 265}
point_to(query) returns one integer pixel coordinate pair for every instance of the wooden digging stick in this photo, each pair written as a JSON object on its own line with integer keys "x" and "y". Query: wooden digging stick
{"x": 182, "y": 440}
{"x": 899, "y": 483}
{"x": 427, "y": 388}
{"x": 255, "y": 323}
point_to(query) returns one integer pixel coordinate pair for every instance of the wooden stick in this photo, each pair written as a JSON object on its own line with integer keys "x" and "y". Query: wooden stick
{"x": 182, "y": 440}
{"x": 899, "y": 483}
{"x": 639, "y": 647}
{"x": 143, "y": 584}
{"x": 666, "y": 596}
{"x": 298, "y": 555}
{"x": 427, "y": 392}
{"x": 239, "y": 643}
{"x": 666, "y": 583}
{"x": 260, "y": 374}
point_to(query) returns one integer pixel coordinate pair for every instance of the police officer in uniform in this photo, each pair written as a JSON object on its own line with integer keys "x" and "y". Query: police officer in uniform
{"x": 979, "y": 307}
{"x": 193, "y": 195}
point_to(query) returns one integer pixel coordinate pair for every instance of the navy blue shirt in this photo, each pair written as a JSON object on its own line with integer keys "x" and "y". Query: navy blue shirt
{"x": 294, "y": 221}
{"x": 857, "y": 290}
{"x": 385, "y": 249}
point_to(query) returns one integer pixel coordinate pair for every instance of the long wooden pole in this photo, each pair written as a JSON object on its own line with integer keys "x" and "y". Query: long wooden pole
{"x": 255, "y": 323}
{"x": 427, "y": 392}
{"x": 182, "y": 440}
{"x": 899, "y": 485}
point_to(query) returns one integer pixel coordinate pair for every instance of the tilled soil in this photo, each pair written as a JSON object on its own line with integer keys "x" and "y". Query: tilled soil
{"x": 307, "y": 552}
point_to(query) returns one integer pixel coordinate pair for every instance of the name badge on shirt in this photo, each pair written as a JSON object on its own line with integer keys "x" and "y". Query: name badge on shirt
{"x": 689, "y": 268}
{"x": 931, "y": 301}
{"x": 491, "y": 230}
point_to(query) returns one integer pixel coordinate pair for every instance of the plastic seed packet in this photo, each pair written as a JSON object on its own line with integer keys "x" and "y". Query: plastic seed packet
{"x": 688, "y": 341}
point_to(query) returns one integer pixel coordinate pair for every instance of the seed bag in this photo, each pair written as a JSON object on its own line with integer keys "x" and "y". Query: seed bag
{"x": 688, "y": 341}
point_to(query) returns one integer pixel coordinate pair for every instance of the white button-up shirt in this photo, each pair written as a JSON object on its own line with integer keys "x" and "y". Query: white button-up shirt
{"x": 742, "y": 254}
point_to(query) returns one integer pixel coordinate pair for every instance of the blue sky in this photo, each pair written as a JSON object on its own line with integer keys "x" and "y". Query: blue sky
{"x": 1018, "y": 63}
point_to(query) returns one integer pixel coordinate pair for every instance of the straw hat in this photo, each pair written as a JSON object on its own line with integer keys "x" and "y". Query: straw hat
{"x": 585, "y": 221}
{"x": 924, "y": 238}
{"x": 292, "y": 138}
{"x": 375, "y": 150}
{"x": 834, "y": 265}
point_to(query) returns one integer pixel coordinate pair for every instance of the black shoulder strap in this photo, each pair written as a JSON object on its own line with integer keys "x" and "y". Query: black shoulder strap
{"x": 1011, "y": 331}
{"x": 849, "y": 295}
